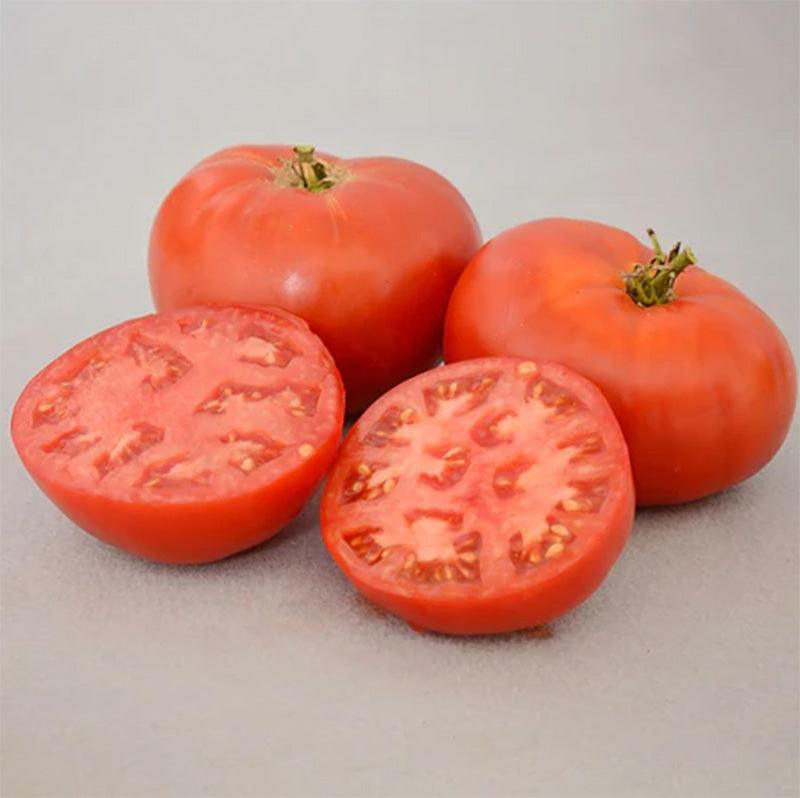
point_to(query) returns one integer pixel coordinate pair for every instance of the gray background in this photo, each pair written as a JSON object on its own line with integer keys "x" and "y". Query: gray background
{"x": 265, "y": 675}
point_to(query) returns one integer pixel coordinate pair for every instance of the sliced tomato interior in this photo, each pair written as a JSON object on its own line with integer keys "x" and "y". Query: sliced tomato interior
{"x": 200, "y": 403}
{"x": 482, "y": 476}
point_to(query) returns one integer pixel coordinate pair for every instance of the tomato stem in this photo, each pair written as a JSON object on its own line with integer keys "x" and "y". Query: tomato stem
{"x": 312, "y": 174}
{"x": 652, "y": 283}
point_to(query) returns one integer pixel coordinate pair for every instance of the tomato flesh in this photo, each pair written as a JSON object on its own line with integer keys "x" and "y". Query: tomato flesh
{"x": 485, "y": 496}
{"x": 184, "y": 436}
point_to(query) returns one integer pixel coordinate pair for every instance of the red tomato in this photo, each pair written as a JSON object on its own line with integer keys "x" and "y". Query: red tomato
{"x": 701, "y": 380}
{"x": 485, "y": 496}
{"x": 187, "y": 436}
{"x": 366, "y": 250}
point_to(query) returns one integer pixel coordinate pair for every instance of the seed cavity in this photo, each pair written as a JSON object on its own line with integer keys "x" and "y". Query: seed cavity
{"x": 54, "y": 408}
{"x": 408, "y": 416}
{"x": 507, "y": 476}
{"x": 529, "y": 548}
{"x": 259, "y": 346}
{"x": 585, "y": 444}
{"x": 72, "y": 442}
{"x": 494, "y": 429}
{"x": 194, "y": 327}
{"x": 590, "y": 494}
{"x": 359, "y": 484}
{"x": 461, "y": 565}
{"x": 248, "y": 451}
{"x": 298, "y": 399}
{"x": 386, "y": 431}
{"x": 363, "y": 544}
{"x": 455, "y": 461}
{"x": 163, "y": 365}
{"x": 561, "y": 402}
{"x": 129, "y": 447}
{"x": 475, "y": 387}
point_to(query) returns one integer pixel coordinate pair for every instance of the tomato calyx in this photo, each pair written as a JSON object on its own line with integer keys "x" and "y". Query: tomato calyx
{"x": 307, "y": 172}
{"x": 652, "y": 283}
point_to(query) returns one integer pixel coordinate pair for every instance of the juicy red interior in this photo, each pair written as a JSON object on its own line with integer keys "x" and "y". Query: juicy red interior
{"x": 475, "y": 473}
{"x": 201, "y": 402}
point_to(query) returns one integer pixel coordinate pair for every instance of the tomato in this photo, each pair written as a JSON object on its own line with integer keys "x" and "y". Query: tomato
{"x": 701, "y": 380}
{"x": 187, "y": 436}
{"x": 366, "y": 250}
{"x": 486, "y": 496}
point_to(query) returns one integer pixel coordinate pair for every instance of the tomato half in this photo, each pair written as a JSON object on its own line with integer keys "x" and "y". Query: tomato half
{"x": 701, "y": 380}
{"x": 486, "y": 496}
{"x": 366, "y": 250}
{"x": 186, "y": 436}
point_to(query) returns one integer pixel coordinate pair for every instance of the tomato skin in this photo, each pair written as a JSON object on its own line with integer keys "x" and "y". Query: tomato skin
{"x": 191, "y": 533}
{"x": 203, "y": 527}
{"x": 370, "y": 263}
{"x": 494, "y": 608}
{"x": 704, "y": 387}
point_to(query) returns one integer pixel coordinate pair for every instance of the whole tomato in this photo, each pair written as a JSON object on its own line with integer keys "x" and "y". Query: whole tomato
{"x": 701, "y": 380}
{"x": 366, "y": 250}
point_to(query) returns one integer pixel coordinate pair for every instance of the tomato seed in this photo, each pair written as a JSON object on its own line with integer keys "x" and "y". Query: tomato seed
{"x": 554, "y": 550}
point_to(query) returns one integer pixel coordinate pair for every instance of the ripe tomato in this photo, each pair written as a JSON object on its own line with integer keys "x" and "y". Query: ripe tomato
{"x": 366, "y": 250}
{"x": 186, "y": 436}
{"x": 701, "y": 380}
{"x": 485, "y": 496}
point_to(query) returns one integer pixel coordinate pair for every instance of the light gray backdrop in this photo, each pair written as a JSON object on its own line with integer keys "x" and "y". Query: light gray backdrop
{"x": 264, "y": 675}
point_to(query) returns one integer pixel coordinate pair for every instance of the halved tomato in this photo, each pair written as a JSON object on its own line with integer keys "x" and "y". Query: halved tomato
{"x": 484, "y": 496}
{"x": 185, "y": 436}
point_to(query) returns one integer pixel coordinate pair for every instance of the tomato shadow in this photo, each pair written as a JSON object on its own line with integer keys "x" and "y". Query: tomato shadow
{"x": 374, "y": 613}
{"x": 305, "y": 526}
{"x": 656, "y": 516}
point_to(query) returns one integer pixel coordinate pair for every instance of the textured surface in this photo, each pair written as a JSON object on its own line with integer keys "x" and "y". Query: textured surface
{"x": 265, "y": 675}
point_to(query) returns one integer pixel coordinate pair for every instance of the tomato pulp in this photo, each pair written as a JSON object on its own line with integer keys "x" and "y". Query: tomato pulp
{"x": 485, "y": 496}
{"x": 366, "y": 250}
{"x": 701, "y": 380}
{"x": 187, "y": 436}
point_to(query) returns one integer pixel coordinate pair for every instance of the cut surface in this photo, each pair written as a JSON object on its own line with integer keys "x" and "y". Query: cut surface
{"x": 194, "y": 404}
{"x": 477, "y": 480}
